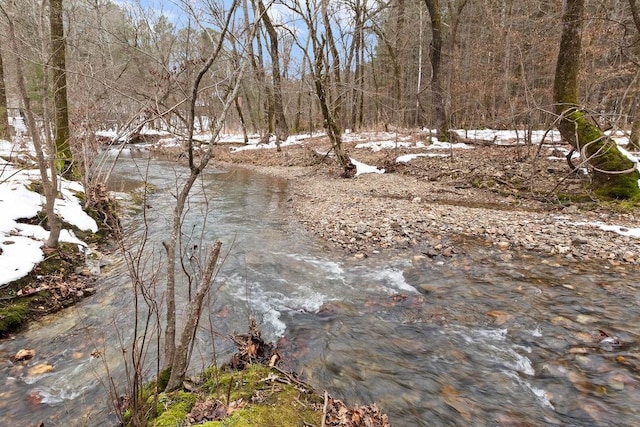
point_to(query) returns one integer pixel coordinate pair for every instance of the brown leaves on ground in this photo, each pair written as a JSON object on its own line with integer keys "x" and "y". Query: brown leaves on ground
{"x": 451, "y": 397}
{"x": 210, "y": 410}
{"x": 251, "y": 349}
{"x": 339, "y": 415}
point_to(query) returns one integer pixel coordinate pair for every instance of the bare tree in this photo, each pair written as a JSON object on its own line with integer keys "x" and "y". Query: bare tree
{"x": 46, "y": 163}
{"x": 177, "y": 355}
{"x": 322, "y": 71}
{"x": 281, "y": 128}
{"x": 441, "y": 112}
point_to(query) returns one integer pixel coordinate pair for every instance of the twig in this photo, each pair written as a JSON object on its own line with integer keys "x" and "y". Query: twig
{"x": 324, "y": 409}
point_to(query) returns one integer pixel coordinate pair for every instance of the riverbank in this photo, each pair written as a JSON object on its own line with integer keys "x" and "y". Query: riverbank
{"x": 511, "y": 197}
{"x": 36, "y": 280}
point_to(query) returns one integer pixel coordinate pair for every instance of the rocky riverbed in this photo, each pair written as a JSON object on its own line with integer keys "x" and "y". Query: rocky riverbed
{"x": 509, "y": 197}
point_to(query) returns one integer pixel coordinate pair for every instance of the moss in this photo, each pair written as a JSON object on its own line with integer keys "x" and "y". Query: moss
{"x": 36, "y": 187}
{"x": 623, "y": 206}
{"x": 80, "y": 196}
{"x": 605, "y": 156}
{"x": 12, "y": 316}
{"x": 16, "y": 310}
{"x": 163, "y": 378}
{"x": 139, "y": 196}
{"x": 568, "y": 198}
{"x": 173, "y": 408}
{"x": 65, "y": 258}
{"x": 261, "y": 400}
{"x": 281, "y": 408}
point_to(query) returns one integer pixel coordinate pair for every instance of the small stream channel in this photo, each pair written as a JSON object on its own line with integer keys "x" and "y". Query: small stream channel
{"x": 468, "y": 340}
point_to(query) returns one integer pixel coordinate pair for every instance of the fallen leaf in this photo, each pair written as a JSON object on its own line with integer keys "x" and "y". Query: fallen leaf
{"x": 40, "y": 369}
{"x": 500, "y": 316}
{"x": 451, "y": 397}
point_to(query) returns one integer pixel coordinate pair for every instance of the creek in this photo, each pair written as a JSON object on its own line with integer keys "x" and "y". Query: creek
{"x": 467, "y": 340}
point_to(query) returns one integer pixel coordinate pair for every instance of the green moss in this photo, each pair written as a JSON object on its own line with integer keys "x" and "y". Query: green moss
{"x": 36, "y": 187}
{"x": 281, "y": 408}
{"x": 16, "y": 310}
{"x": 139, "y": 195}
{"x": 623, "y": 206}
{"x": 605, "y": 156}
{"x": 60, "y": 261}
{"x": 80, "y": 196}
{"x": 163, "y": 378}
{"x": 568, "y": 198}
{"x": 12, "y": 316}
{"x": 260, "y": 400}
{"x": 173, "y": 408}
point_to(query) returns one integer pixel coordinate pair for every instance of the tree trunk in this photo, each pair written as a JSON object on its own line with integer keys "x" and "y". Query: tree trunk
{"x": 613, "y": 174}
{"x": 242, "y": 121}
{"x": 196, "y": 166}
{"x": 441, "y": 119}
{"x": 333, "y": 98}
{"x": 398, "y": 71}
{"x": 333, "y": 129}
{"x": 4, "y": 116}
{"x": 64, "y": 161}
{"x": 281, "y": 128}
{"x": 634, "y": 140}
{"x": 357, "y": 46}
{"x": 194, "y": 311}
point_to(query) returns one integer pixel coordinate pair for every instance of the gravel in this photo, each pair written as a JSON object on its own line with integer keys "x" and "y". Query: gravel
{"x": 374, "y": 212}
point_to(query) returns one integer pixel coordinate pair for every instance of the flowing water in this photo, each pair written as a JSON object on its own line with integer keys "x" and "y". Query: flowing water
{"x": 469, "y": 340}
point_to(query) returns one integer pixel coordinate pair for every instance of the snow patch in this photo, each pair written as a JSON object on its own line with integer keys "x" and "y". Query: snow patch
{"x": 362, "y": 168}
{"x": 20, "y": 243}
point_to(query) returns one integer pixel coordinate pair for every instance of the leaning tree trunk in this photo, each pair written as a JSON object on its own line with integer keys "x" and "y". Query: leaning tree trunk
{"x": 614, "y": 176}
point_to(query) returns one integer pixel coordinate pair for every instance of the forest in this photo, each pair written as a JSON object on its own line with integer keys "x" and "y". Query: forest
{"x": 128, "y": 62}
{"x": 347, "y": 65}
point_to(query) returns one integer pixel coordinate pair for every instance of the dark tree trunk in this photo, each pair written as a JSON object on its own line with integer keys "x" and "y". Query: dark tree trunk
{"x": 613, "y": 175}
{"x": 281, "y": 128}
{"x": 634, "y": 140}
{"x": 441, "y": 119}
{"x": 64, "y": 161}
{"x": 4, "y": 116}
{"x": 242, "y": 121}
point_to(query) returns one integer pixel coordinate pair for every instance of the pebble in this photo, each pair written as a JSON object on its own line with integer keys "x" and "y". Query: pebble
{"x": 350, "y": 216}
{"x": 24, "y": 354}
{"x": 503, "y": 245}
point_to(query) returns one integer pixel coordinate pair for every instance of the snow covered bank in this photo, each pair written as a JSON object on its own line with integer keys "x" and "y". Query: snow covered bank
{"x": 20, "y": 243}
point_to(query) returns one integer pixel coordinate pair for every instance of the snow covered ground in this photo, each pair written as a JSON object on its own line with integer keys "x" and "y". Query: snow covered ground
{"x": 20, "y": 244}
